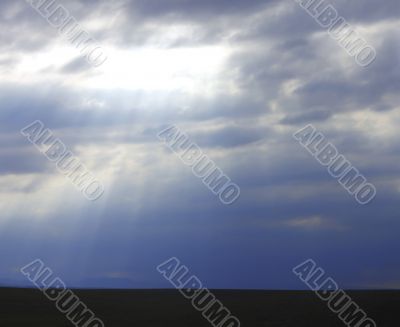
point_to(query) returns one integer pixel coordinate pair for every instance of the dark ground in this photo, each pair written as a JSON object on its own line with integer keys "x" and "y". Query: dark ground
{"x": 168, "y": 308}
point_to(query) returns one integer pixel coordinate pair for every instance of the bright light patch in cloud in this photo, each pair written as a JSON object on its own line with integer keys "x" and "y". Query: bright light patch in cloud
{"x": 185, "y": 69}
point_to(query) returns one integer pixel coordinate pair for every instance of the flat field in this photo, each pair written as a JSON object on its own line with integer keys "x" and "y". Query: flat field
{"x": 168, "y": 308}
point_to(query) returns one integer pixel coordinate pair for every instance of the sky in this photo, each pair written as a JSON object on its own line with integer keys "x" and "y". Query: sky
{"x": 239, "y": 77}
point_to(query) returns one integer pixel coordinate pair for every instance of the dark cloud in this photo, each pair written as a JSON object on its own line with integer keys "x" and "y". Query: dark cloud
{"x": 230, "y": 136}
{"x": 189, "y": 9}
{"x": 77, "y": 65}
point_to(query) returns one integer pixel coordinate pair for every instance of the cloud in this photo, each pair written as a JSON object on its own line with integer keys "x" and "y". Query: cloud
{"x": 312, "y": 223}
{"x": 249, "y": 74}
